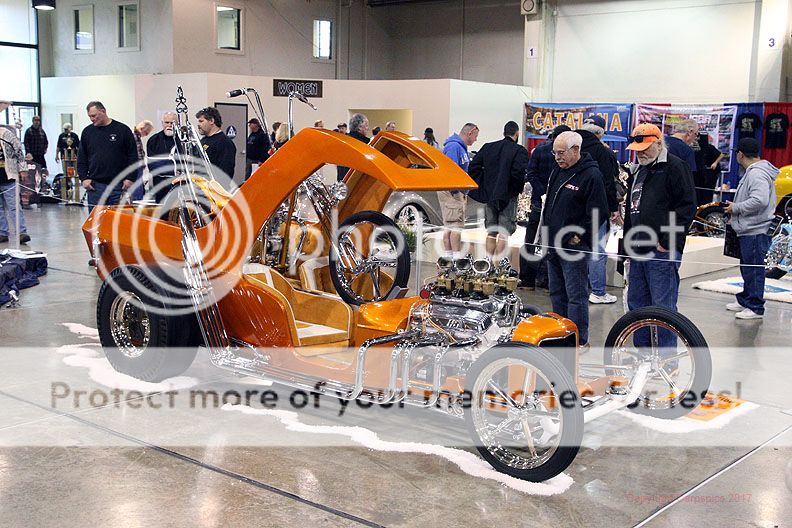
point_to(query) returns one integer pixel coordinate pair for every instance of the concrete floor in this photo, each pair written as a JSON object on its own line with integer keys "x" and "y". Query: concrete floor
{"x": 79, "y": 462}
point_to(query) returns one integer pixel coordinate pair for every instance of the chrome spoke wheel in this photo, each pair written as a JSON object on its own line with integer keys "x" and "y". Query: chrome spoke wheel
{"x": 515, "y": 413}
{"x": 130, "y": 325}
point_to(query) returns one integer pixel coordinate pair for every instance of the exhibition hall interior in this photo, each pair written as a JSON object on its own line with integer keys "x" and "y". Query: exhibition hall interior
{"x": 395, "y": 263}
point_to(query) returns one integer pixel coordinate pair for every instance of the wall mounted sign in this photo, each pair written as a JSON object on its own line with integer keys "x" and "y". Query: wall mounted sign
{"x": 282, "y": 87}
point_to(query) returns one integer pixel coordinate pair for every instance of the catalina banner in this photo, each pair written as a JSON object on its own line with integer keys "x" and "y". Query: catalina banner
{"x": 541, "y": 118}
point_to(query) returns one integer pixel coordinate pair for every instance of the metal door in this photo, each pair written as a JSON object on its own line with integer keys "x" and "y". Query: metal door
{"x": 235, "y": 118}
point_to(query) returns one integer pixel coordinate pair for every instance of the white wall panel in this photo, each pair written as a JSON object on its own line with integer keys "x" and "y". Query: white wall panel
{"x": 653, "y": 51}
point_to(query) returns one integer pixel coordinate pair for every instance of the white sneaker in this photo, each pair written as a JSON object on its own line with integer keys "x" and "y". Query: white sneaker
{"x": 748, "y": 314}
{"x": 734, "y": 307}
{"x": 602, "y": 299}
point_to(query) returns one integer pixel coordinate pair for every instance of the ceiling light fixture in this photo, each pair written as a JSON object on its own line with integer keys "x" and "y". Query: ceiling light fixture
{"x": 44, "y": 5}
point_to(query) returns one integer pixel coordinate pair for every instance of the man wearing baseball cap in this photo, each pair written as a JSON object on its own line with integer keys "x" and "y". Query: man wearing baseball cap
{"x": 752, "y": 213}
{"x": 257, "y": 148}
{"x": 592, "y": 132}
{"x": 660, "y": 208}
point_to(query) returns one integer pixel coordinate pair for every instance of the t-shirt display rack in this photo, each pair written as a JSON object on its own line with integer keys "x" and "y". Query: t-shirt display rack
{"x": 767, "y": 122}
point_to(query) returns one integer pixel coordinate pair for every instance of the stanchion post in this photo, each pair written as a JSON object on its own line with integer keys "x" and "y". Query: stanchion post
{"x": 17, "y": 209}
{"x": 418, "y": 251}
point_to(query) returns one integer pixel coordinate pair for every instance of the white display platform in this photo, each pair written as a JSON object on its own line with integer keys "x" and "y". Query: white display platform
{"x": 702, "y": 254}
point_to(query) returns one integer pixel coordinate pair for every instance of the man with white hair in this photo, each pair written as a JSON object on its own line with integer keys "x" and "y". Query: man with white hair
{"x": 685, "y": 133}
{"x": 660, "y": 208}
{"x": 390, "y": 126}
{"x": 575, "y": 198}
{"x": 158, "y": 149}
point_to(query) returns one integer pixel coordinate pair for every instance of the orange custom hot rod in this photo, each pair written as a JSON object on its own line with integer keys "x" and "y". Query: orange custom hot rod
{"x": 255, "y": 278}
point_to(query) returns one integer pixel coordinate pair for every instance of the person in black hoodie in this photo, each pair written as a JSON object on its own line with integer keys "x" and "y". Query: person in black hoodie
{"x": 573, "y": 209}
{"x": 592, "y": 132}
{"x": 660, "y": 208}
{"x": 500, "y": 170}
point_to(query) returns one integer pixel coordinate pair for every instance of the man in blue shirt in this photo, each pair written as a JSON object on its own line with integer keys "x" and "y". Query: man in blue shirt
{"x": 452, "y": 203}
{"x": 678, "y": 143}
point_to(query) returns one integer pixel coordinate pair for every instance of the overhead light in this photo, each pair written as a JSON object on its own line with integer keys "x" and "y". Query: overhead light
{"x": 44, "y": 5}
{"x": 219, "y": 8}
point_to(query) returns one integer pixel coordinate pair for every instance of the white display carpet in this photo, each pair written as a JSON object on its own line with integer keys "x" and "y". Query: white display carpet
{"x": 775, "y": 290}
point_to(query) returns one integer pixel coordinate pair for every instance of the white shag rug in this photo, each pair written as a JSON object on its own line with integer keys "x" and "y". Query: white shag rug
{"x": 775, "y": 289}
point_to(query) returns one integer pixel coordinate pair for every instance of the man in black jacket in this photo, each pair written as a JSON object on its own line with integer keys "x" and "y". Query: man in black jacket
{"x": 592, "y": 132}
{"x": 257, "y": 147}
{"x": 500, "y": 169}
{"x": 660, "y": 209}
{"x": 158, "y": 149}
{"x": 573, "y": 208}
{"x": 540, "y": 166}
{"x": 107, "y": 149}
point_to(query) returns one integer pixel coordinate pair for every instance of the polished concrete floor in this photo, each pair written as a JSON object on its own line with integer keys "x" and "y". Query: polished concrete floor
{"x": 73, "y": 453}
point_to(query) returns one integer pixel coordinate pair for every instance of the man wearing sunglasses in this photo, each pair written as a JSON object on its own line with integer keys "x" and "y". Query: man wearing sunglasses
{"x": 660, "y": 208}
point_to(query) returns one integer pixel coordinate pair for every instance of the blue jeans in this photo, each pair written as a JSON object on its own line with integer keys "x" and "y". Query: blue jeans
{"x": 113, "y": 197}
{"x": 8, "y": 208}
{"x": 568, "y": 283}
{"x": 597, "y": 268}
{"x": 654, "y": 282}
{"x": 753, "y": 249}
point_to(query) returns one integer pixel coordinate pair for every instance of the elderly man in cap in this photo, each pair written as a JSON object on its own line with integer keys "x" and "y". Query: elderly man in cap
{"x": 592, "y": 132}
{"x": 257, "y": 148}
{"x": 575, "y": 197}
{"x": 752, "y": 213}
{"x": 660, "y": 208}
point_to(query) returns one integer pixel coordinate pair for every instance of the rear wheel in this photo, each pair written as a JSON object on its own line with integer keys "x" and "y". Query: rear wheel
{"x": 525, "y": 415}
{"x": 681, "y": 367}
{"x": 139, "y": 338}
{"x": 712, "y": 221}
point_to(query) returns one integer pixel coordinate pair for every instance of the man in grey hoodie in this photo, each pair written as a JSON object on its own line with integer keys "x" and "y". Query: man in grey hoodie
{"x": 751, "y": 215}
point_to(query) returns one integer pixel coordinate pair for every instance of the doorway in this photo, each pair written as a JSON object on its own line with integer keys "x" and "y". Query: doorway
{"x": 235, "y": 117}
{"x": 378, "y": 117}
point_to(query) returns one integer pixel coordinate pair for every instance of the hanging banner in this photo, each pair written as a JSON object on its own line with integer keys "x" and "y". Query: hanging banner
{"x": 541, "y": 118}
{"x": 717, "y": 120}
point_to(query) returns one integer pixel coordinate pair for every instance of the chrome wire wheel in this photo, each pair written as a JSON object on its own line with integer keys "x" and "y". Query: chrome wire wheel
{"x": 518, "y": 427}
{"x": 525, "y": 413}
{"x": 680, "y": 367}
{"x": 716, "y": 224}
{"x": 130, "y": 325}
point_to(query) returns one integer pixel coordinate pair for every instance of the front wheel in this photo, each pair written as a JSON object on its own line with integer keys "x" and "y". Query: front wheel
{"x": 140, "y": 330}
{"x": 369, "y": 259}
{"x": 525, "y": 413}
{"x": 681, "y": 366}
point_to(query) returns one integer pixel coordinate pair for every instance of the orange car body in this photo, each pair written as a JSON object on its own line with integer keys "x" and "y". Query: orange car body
{"x": 261, "y": 313}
